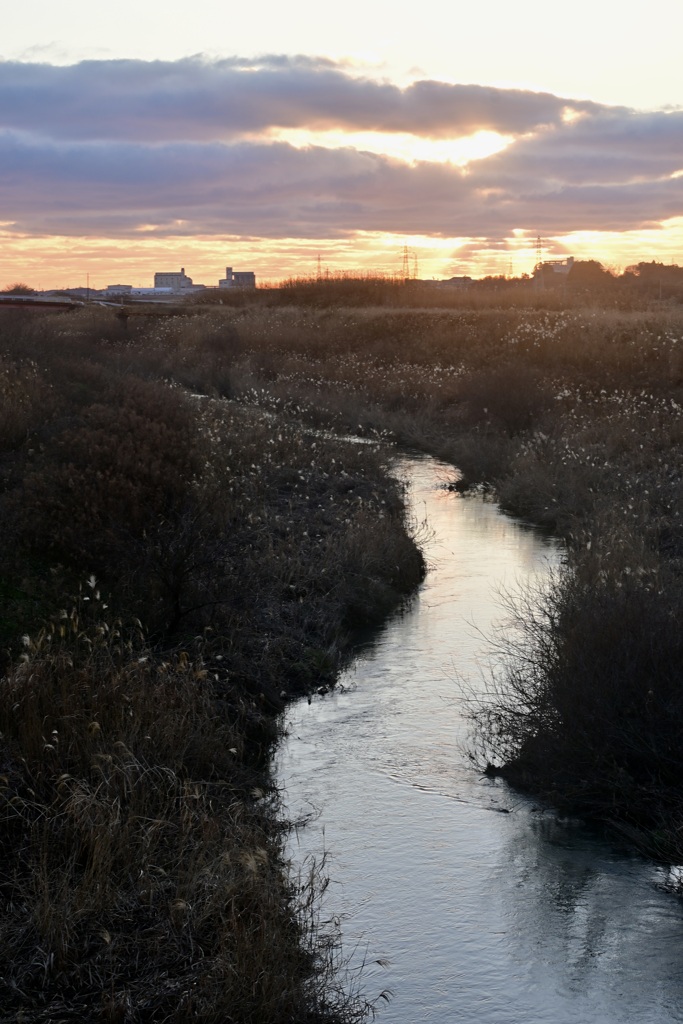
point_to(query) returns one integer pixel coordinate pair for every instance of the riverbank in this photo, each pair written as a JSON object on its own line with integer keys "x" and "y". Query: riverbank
{"x": 172, "y": 570}
{"x": 482, "y": 916}
{"x": 574, "y": 420}
{"x": 248, "y": 551}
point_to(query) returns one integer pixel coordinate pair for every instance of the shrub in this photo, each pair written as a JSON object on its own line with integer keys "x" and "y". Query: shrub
{"x": 100, "y": 485}
{"x": 141, "y": 881}
{"x": 588, "y": 709}
{"x": 510, "y": 398}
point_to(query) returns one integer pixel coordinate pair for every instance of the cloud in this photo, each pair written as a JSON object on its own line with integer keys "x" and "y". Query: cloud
{"x": 216, "y": 100}
{"x": 276, "y": 190}
{"x": 612, "y": 145}
{"x": 117, "y": 148}
{"x": 270, "y": 189}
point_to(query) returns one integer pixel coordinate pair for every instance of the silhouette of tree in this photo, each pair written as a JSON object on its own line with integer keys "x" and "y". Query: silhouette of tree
{"x": 18, "y": 288}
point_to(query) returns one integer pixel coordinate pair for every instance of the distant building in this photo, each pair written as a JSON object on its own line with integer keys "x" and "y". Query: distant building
{"x": 553, "y": 271}
{"x": 176, "y": 282}
{"x": 117, "y": 289}
{"x": 238, "y": 279}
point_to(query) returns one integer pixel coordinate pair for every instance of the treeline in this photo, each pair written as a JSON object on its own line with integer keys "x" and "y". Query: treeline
{"x": 641, "y": 281}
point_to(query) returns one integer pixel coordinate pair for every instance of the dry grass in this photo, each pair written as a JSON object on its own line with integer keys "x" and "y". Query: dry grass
{"x": 143, "y": 862}
{"x": 142, "y": 881}
{"x": 574, "y": 417}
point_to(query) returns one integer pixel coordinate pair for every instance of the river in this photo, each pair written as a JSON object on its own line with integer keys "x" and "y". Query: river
{"x": 489, "y": 909}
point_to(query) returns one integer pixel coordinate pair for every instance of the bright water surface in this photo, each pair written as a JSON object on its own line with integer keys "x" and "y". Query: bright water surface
{"x": 485, "y": 917}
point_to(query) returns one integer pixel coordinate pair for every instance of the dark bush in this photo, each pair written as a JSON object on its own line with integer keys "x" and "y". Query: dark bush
{"x": 589, "y": 708}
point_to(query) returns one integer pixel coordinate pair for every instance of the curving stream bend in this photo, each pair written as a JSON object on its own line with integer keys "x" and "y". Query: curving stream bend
{"x": 486, "y": 917}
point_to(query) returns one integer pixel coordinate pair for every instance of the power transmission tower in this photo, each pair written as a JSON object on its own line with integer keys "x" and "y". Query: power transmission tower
{"x": 409, "y": 267}
{"x": 406, "y": 263}
{"x": 539, "y": 249}
{"x": 540, "y": 280}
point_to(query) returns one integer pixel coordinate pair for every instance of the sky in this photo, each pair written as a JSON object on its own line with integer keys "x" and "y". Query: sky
{"x": 279, "y": 137}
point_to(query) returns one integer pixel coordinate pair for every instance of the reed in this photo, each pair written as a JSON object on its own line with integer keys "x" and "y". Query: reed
{"x": 573, "y": 418}
{"x": 172, "y": 570}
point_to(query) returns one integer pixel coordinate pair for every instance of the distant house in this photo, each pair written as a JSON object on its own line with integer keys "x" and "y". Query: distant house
{"x": 238, "y": 279}
{"x": 176, "y": 282}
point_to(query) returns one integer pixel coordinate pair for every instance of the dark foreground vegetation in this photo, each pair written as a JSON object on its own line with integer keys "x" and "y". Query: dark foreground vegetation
{"x": 573, "y": 418}
{"x": 172, "y": 569}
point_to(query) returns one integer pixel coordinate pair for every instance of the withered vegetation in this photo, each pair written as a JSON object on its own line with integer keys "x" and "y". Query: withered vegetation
{"x": 172, "y": 569}
{"x": 182, "y": 469}
{"x": 568, "y": 407}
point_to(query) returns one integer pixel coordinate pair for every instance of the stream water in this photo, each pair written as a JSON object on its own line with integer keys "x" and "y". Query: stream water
{"x": 489, "y": 909}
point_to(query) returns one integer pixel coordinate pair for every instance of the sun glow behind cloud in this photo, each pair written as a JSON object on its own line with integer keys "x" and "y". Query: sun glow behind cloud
{"x": 619, "y": 249}
{"x": 118, "y": 169}
{"x": 411, "y": 149}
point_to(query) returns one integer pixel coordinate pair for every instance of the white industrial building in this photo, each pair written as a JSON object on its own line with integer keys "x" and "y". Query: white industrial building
{"x": 238, "y": 279}
{"x": 172, "y": 283}
{"x": 177, "y": 282}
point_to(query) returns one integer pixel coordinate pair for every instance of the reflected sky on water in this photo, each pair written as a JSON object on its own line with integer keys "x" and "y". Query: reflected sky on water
{"x": 489, "y": 909}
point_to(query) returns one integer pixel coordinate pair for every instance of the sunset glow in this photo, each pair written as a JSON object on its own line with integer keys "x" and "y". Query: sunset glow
{"x": 135, "y": 160}
{"x": 410, "y": 149}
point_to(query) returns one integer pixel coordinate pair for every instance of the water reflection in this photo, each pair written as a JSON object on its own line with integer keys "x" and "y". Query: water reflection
{"x": 487, "y": 917}
{"x": 589, "y": 915}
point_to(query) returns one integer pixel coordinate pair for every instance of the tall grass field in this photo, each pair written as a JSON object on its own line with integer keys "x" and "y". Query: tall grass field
{"x": 189, "y": 540}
